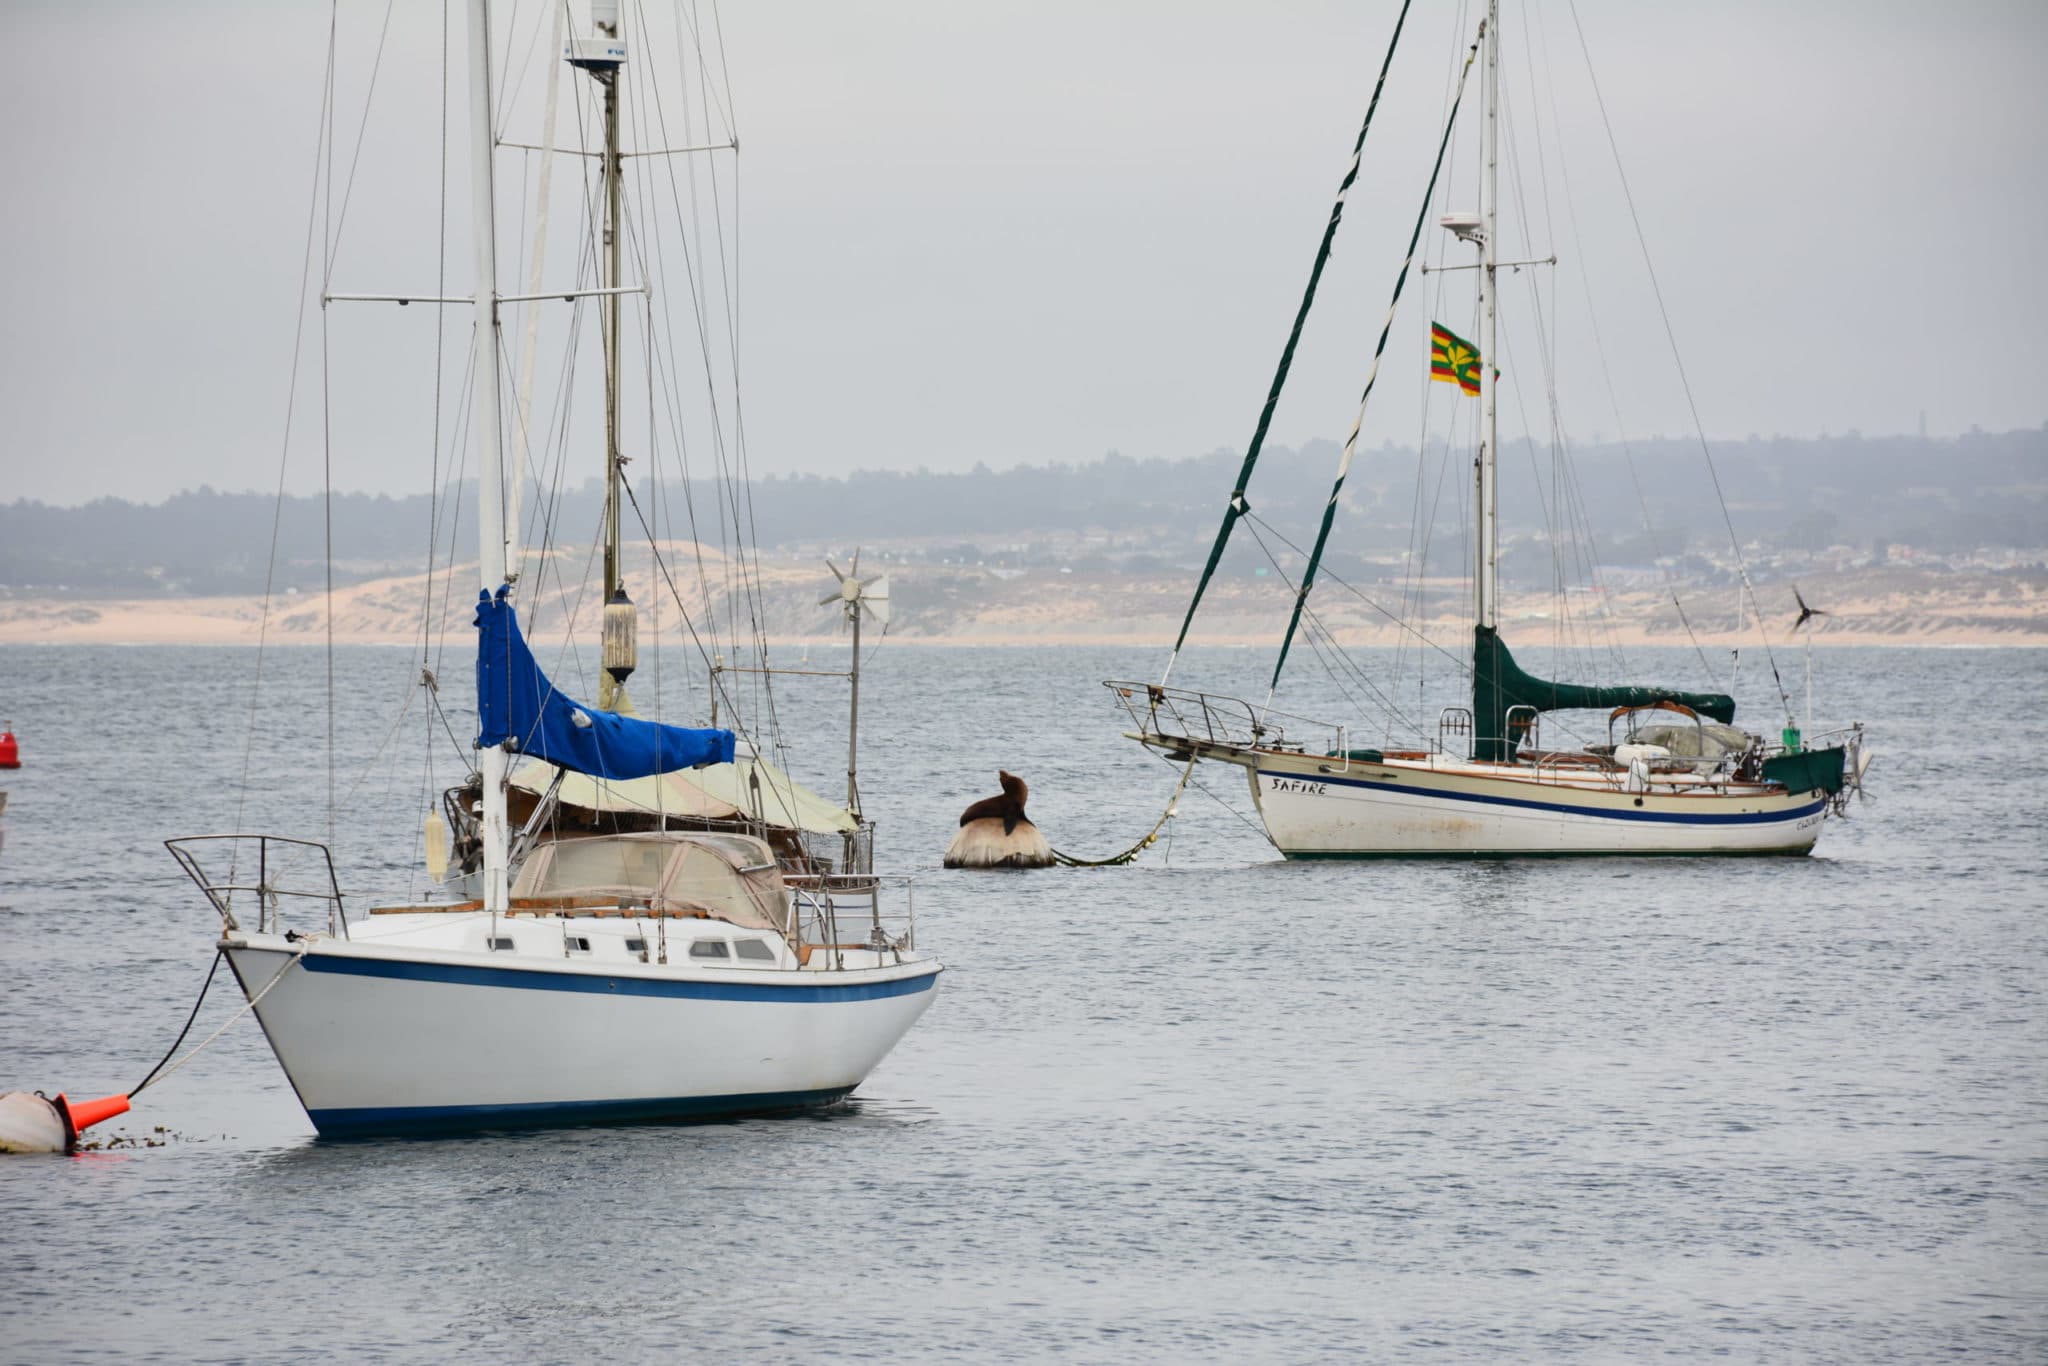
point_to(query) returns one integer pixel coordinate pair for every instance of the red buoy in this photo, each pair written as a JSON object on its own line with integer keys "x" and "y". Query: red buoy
{"x": 10, "y": 752}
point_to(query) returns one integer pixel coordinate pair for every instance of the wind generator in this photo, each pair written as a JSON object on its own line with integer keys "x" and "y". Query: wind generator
{"x": 855, "y": 596}
{"x": 1807, "y": 614}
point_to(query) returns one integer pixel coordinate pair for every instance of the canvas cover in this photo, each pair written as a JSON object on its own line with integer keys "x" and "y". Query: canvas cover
{"x": 715, "y": 792}
{"x": 1499, "y": 685}
{"x": 731, "y": 877}
{"x": 517, "y": 706}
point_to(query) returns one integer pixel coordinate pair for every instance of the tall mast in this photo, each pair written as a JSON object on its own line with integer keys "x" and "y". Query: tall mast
{"x": 853, "y": 722}
{"x": 1486, "y": 526}
{"x": 492, "y": 762}
{"x": 604, "y": 57}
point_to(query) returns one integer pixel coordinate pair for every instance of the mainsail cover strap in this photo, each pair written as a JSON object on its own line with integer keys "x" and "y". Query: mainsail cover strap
{"x": 1237, "y": 507}
{"x": 1499, "y": 685}
{"x": 518, "y": 707}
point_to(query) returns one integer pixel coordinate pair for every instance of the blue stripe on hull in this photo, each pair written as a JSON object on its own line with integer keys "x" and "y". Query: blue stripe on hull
{"x": 530, "y": 979}
{"x": 1595, "y": 812}
{"x": 446, "y": 1119}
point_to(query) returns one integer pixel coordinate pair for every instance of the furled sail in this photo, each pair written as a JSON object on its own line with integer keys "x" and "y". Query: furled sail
{"x": 517, "y": 706}
{"x": 1499, "y": 685}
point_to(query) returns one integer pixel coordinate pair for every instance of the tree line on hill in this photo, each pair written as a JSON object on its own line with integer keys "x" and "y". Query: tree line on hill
{"x": 1654, "y": 498}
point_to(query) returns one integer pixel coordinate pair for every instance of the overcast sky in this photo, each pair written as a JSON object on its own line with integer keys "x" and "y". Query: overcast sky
{"x": 1029, "y": 232}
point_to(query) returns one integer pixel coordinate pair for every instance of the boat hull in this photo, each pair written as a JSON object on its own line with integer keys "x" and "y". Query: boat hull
{"x": 375, "y": 1041}
{"x": 1373, "y": 812}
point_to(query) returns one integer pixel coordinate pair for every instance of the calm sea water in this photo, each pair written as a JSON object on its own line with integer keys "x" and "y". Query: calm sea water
{"x": 1210, "y": 1106}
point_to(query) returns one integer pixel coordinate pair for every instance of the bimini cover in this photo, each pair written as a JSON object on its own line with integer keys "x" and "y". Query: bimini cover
{"x": 729, "y": 877}
{"x": 517, "y": 705}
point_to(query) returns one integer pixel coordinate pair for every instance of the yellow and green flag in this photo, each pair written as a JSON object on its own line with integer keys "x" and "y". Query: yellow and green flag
{"x": 1452, "y": 359}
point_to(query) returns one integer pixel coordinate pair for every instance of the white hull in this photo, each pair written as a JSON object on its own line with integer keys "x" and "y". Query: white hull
{"x": 1322, "y": 809}
{"x": 377, "y": 1037}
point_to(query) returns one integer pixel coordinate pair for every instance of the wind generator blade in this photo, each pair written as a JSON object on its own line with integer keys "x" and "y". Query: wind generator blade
{"x": 835, "y": 569}
{"x": 875, "y": 597}
{"x": 855, "y": 571}
{"x": 829, "y": 598}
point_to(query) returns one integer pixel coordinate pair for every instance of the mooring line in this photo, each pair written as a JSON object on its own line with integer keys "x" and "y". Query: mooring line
{"x": 1172, "y": 802}
{"x": 160, "y": 1071}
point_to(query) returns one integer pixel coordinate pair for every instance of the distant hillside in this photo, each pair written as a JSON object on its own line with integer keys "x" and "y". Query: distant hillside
{"x": 1942, "y": 495}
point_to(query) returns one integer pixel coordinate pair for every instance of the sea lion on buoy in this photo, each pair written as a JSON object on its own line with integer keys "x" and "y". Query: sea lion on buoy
{"x": 995, "y": 832}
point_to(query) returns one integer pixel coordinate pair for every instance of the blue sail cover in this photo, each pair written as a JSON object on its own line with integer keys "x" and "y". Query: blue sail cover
{"x": 515, "y": 702}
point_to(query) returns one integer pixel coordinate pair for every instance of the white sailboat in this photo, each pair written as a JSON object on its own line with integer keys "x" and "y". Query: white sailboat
{"x": 647, "y": 975}
{"x": 1674, "y": 776}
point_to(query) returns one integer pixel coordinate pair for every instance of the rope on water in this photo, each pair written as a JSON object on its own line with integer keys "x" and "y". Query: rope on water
{"x": 1151, "y": 836}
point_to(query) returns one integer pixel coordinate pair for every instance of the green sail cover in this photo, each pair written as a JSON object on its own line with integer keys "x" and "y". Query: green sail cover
{"x": 1499, "y": 685}
{"x": 1810, "y": 770}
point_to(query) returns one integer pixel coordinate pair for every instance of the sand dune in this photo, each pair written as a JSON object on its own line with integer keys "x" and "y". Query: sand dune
{"x": 949, "y": 605}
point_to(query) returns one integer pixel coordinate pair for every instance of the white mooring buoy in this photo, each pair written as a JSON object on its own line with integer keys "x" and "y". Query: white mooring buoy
{"x": 995, "y": 833}
{"x": 31, "y": 1122}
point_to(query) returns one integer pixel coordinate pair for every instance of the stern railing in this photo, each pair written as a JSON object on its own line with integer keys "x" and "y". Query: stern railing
{"x": 832, "y": 913}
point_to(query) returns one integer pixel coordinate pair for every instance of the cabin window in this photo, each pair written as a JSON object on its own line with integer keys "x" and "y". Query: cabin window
{"x": 753, "y": 950}
{"x": 579, "y": 943}
{"x": 636, "y": 946}
{"x": 501, "y": 943}
{"x": 709, "y": 948}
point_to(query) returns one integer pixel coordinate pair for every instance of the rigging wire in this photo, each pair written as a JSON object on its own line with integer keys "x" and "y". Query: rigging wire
{"x": 717, "y": 677}
{"x": 1237, "y": 507}
{"x": 1607, "y": 380}
{"x": 1371, "y": 375}
{"x": 329, "y": 230}
{"x": 1414, "y": 579}
{"x": 1405, "y": 625}
{"x": 427, "y": 633}
{"x": 732, "y": 458}
{"x": 1685, "y": 381}
{"x": 1386, "y": 704}
{"x": 355, "y": 158}
{"x": 290, "y": 408}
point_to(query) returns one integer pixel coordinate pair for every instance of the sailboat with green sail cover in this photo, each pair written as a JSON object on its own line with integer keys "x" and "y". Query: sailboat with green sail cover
{"x": 1673, "y": 774}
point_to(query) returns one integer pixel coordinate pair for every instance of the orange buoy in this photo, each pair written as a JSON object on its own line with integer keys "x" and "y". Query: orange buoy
{"x": 86, "y": 1113}
{"x": 10, "y": 752}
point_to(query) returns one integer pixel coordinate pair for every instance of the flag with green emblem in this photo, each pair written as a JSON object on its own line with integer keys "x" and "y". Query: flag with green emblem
{"x": 1452, "y": 359}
